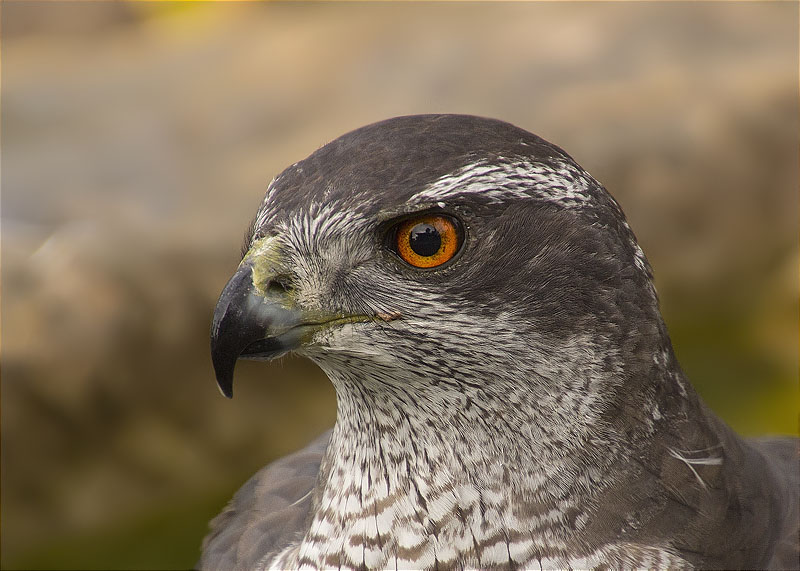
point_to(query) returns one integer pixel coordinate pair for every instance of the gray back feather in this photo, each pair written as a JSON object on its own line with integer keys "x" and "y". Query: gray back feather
{"x": 268, "y": 513}
{"x": 782, "y": 463}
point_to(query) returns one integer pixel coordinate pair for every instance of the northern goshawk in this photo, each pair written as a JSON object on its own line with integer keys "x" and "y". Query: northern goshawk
{"x": 507, "y": 391}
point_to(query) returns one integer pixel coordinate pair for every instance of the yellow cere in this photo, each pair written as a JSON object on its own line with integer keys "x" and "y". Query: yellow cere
{"x": 265, "y": 261}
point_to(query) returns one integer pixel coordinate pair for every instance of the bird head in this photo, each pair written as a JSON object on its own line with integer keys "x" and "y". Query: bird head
{"x": 435, "y": 258}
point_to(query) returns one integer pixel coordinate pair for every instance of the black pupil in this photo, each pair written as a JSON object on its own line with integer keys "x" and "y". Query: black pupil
{"x": 425, "y": 240}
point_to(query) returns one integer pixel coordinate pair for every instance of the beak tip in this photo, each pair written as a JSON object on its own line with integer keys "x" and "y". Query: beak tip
{"x": 226, "y": 390}
{"x": 224, "y": 366}
{"x": 224, "y": 375}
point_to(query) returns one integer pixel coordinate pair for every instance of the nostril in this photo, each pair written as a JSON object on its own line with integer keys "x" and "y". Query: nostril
{"x": 280, "y": 284}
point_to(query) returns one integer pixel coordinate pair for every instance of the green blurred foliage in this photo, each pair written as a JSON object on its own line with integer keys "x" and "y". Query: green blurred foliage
{"x": 137, "y": 140}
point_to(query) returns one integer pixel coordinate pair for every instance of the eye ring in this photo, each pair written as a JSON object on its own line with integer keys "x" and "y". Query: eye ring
{"x": 427, "y": 241}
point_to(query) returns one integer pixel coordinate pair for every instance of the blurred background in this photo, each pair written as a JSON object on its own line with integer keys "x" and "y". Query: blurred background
{"x": 138, "y": 139}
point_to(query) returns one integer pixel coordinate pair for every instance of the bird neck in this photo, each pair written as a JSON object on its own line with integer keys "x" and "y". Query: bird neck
{"x": 426, "y": 476}
{"x": 419, "y": 474}
{"x": 431, "y": 437}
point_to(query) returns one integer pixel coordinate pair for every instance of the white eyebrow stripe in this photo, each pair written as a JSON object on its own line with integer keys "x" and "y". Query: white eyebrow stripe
{"x": 517, "y": 178}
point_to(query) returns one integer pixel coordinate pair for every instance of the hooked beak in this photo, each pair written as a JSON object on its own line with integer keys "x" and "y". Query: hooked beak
{"x": 251, "y": 322}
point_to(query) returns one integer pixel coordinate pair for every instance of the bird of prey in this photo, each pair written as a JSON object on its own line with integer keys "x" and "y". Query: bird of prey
{"x": 508, "y": 395}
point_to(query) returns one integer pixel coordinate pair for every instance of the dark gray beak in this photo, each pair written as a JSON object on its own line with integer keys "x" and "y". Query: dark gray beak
{"x": 251, "y": 322}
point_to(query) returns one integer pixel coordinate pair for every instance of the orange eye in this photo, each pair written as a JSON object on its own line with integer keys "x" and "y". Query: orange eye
{"x": 427, "y": 241}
